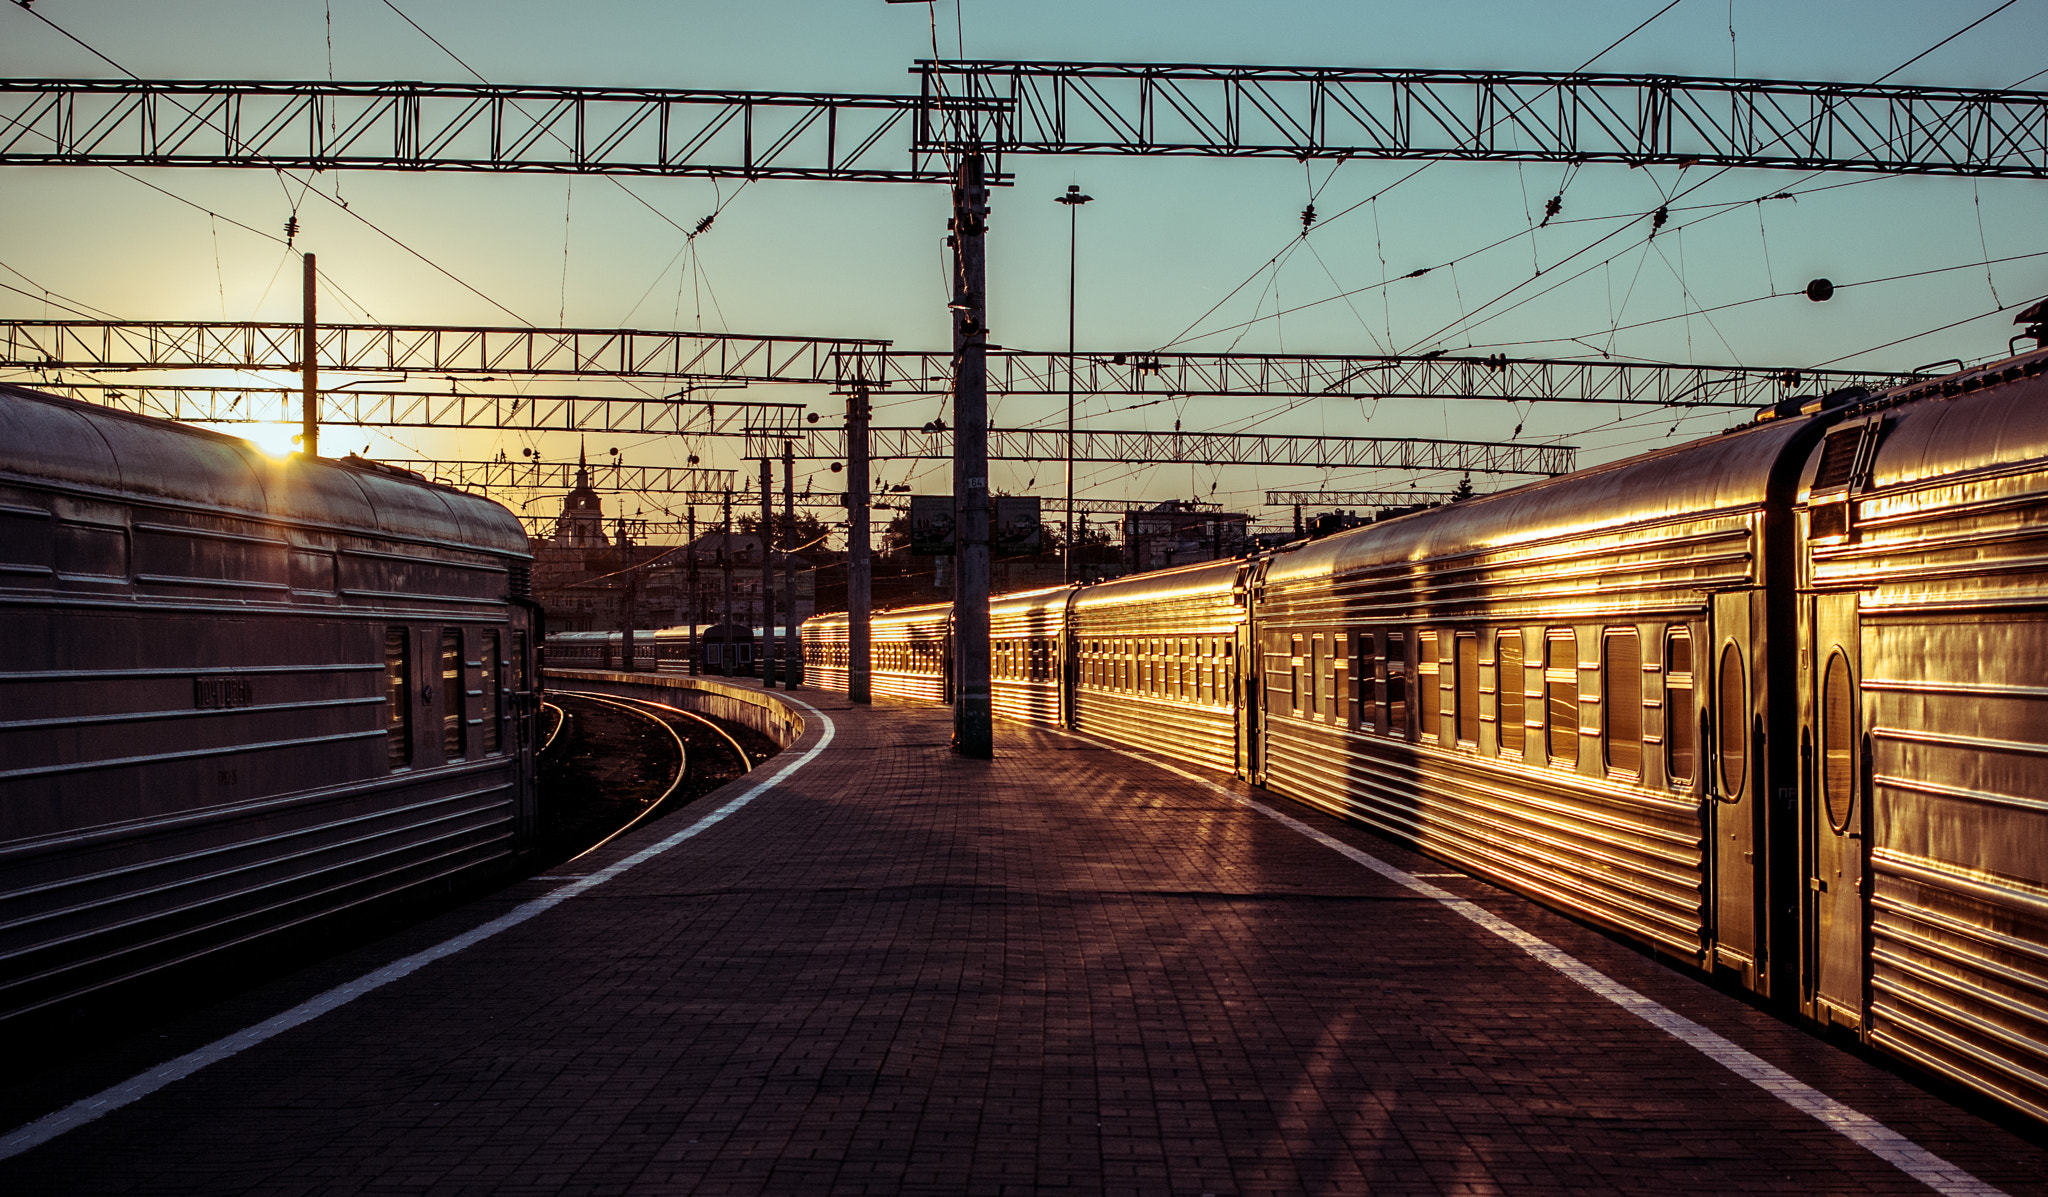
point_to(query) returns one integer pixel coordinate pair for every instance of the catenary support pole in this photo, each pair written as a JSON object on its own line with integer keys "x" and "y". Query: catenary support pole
{"x": 1073, "y": 199}
{"x": 693, "y": 607}
{"x": 727, "y": 655}
{"x": 766, "y": 653}
{"x": 792, "y": 650}
{"x": 973, "y": 721}
{"x": 859, "y": 565}
{"x": 309, "y": 365}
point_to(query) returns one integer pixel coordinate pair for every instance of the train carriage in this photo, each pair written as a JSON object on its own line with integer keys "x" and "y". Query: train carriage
{"x": 1511, "y": 684}
{"x": 239, "y": 694}
{"x": 1028, "y": 655}
{"x": 1922, "y": 772}
{"x": 911, "y": 651}
{"x": 1156, "y": 661}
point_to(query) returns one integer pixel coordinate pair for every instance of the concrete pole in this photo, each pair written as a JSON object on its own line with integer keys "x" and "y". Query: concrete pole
{"x": 309, "y": 366}
{"x": 765, "y": 646}
{"x": 1073, "y": 199}
{"x": 792, "y": 648}
{"x": 726, "y": 654}
{"x": 694, "y": 607}
{"x": 859, "y": 565}
{"x": 973, "y": 720}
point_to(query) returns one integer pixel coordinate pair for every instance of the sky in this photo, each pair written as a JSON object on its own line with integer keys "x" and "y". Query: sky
{"x": 1196, "y": 254}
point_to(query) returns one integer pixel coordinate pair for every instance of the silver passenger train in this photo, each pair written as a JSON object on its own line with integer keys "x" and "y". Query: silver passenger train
{"x": 1773, "y": 703}
{"x": 721, "y": 649}
{"x": 240, "y": 694}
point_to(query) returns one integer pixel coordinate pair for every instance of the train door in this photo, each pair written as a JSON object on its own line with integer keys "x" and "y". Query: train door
{"x": 1735, "y": 804}
{"x": 521, "y": 664}
{"x": 1831, "y": 819}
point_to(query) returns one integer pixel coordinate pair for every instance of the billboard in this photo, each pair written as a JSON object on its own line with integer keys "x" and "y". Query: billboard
{"x": 1017, "y": 531}
{"x": 931, "y": 525}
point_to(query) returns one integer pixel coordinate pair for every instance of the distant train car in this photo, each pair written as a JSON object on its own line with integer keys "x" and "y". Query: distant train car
{"x": 603, "y": 650}
{"x": 1156, "y": 661}
{"x": 238, "y": 694}
{"x": 912, "y": 651}
{"x": 1770, "y": 702}
{"x": 1026, "y": 674}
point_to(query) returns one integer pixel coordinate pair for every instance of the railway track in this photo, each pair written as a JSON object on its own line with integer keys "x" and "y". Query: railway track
{"x": 612, "y": 764}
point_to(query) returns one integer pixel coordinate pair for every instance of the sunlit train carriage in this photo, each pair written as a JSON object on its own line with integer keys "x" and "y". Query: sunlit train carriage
{"x": 911, "y": 654}
{"x": 1026, "y": 630}
{"x": 239, "y": 694}
{"x": 1155, "y": 661}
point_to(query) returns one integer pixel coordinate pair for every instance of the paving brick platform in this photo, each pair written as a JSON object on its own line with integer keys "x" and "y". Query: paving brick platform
{"x": 1062, "y": 971}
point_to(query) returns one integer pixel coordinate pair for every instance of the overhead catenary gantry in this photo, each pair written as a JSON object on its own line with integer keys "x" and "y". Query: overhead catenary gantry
{"x": 487, "y": 353}
{"x": 1497, "y": 116}
{"x": 714, "y": 413}
{"x": 1137, "y": 447}
{"x": 1355, "y": 498}
{"x": 1003, "y": 108}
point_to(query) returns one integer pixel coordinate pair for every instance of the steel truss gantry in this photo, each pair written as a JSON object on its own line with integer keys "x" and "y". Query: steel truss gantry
{"x": 1190, "y": 448}
{"x": 1354, "y": 498}
{"x": 1024, "y": 372}
{"x": 703, "y": 358}
{"x": 684, "y": 415}
{"x": 525, "y": 474}
{"x": 484, "y": 352}
{"x": 1005, "y": 108}
{"x": 1503, "y": 116}
{"x": 464, "y": 127}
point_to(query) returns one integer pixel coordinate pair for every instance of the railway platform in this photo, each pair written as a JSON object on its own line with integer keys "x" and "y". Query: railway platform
{"x": 871, "y": 966}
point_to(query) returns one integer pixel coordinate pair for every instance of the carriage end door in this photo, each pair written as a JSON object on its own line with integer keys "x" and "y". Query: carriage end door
{"x": 1832, "y": 818}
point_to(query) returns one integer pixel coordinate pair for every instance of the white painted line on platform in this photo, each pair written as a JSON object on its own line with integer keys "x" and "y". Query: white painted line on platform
{"x": 80, "y": 1112}
{"x": 1859, "y": 1128}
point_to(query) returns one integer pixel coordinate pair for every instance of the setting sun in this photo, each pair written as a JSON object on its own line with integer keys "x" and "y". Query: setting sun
{"x": 277, "y": 440}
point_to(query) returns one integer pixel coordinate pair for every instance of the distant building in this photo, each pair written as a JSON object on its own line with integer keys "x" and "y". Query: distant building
{"x": 581, "y": 525}
{"x": 1180, "y": 531}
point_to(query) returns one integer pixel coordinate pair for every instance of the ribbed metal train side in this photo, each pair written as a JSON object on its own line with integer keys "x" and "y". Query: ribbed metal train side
{"x": 1518, "y": 684}
{"x": 1026, "y": 634}
{"x": 1156, "y": 662}
{"x": 1927, "y": 825}
{"x": 824, "y": 646}
{"x": 913, "y": 652}
{"x": 237, "y": 694}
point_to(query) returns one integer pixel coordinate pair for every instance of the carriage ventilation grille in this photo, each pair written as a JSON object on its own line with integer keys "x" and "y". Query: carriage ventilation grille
{"x": 520, "y": 577}
{"x": 1837, "y": 460}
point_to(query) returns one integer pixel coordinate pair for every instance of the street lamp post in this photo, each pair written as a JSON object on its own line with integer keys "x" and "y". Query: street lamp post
{"x": 1073, "y": 199}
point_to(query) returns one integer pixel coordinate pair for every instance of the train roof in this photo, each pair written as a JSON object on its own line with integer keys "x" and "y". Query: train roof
{"x": 1724, "y": 473}
{"x": 1985, "y": 418}
{"x": 49, "y": 439}
{"x": 1200, "y": 577}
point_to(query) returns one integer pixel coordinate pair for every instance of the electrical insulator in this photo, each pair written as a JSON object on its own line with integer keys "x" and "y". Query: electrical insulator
{"x": 291, "y": 228}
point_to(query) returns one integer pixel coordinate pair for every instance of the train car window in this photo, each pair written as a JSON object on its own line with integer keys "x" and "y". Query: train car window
{"x": 1621, "y": 700}
{"x": 494, "y": 691}
{"x": 452, "y": 746}
{"x": 1678, "y": 718}
{"x": 1731, "y": 721}
{"x": 1561, "y": 694}
{"x": 1363, "y": 707}
{"x": 1429, "y": 694}
{"x": 1837, "y": 743}
{"x": 1466, "y": 696}
{"x": 1511, "y": 685}
{"x": 1397, "y": 684}
{"x": 397, "y": 697}
{"x": 1315, "y": 674}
